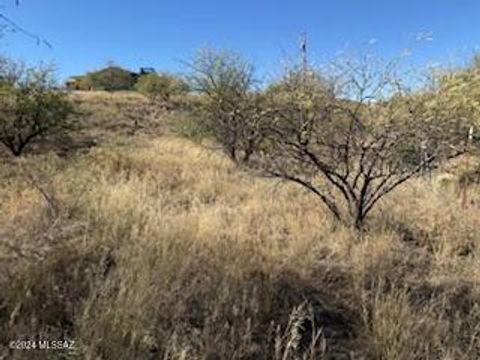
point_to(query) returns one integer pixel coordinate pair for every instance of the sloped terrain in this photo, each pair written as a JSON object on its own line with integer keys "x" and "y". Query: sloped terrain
{"x": 158, "y": 248}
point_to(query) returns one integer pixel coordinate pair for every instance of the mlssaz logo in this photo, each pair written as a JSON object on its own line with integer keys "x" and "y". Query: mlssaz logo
{"x": 56, "y": 345}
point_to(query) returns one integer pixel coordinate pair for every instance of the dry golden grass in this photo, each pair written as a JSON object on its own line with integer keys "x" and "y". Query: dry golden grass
{"x": 161, "y": 249}
{"x": 106, "y": 116}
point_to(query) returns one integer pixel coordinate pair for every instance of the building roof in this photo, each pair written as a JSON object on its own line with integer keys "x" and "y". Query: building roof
{"x": 147, "y": 70}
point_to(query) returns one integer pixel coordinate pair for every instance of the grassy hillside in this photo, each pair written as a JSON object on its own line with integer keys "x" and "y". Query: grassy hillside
{"x": 153, "y": 247}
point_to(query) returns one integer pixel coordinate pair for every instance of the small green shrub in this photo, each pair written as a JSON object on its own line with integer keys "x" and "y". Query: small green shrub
{"x": 31, "y": 108}
{"x": 161, "y": 87}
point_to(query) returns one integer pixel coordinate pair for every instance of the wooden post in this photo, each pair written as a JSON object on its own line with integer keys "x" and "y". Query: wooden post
{"x": 467, "y": 170}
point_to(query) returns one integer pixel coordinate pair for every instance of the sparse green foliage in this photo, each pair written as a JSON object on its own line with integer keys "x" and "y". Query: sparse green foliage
{"x": 30, "y": 108}
{"x": 231, "y": 111}
{"x": 309, "y": 81}
{"x": 458, "y": 92}
{"x": 161, "y": 87}
{"x": 461, "y": 89}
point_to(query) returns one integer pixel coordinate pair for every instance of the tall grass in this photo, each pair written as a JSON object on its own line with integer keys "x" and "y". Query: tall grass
{"x": 165, "y": 250}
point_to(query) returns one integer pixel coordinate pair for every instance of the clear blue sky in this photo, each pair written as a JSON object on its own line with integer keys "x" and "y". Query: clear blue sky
{"x": 86, "y": 34}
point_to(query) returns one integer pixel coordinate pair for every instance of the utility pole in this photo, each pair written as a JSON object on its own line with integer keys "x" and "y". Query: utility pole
{"x": 304, "y": 52}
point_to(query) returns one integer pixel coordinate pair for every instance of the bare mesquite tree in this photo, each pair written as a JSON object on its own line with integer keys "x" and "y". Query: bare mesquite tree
{"x": 30, "y": 106}
{"x": 232, "y": 114}
{"x": 354, "y": 139}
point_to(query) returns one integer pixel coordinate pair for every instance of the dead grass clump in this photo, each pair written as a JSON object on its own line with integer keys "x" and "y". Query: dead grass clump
{"x": 396, "y": 330}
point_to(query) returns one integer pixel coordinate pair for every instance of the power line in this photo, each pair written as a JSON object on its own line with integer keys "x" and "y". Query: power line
{"x": 14, "y": 27}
